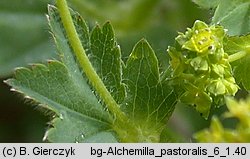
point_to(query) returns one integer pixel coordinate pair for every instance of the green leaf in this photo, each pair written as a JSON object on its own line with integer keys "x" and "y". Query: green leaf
{"x": 241, "y": 67}
{"x": 104, "y": 46}
{"x": 148, "y": 101}
{"x": 207, "y": 4}
{"x": 63, "y": 47}
{"x": 99, "y": 45}
{"x": 23, "y": 34}
{"x": 81, "y": 116}
{"x": 83, "y": 129}
{"x": 55, "y": 88}
{"x": 234, "y": 16}
{"x": 236, "y": 44}
{"x": 62, "y": 87}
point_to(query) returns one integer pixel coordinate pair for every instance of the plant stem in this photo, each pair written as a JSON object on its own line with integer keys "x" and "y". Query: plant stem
{"x": 85, "y": 63}
{"x": 237, "y": 56}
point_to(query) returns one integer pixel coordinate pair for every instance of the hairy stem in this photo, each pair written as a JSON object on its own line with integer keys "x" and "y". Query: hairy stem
{"x": 85, "y": 63}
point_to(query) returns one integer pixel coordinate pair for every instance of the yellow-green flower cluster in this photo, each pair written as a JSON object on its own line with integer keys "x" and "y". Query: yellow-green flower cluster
{"x": 217, "y": 133}
{"x": 199, "y": 62}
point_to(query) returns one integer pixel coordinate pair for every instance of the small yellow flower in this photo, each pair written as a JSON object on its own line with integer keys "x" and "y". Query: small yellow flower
{"x": 198, "y": 59}
{"x": 241, "y": 133}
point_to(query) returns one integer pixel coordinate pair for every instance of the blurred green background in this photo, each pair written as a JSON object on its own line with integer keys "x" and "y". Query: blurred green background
{"x": 25, "y": 39}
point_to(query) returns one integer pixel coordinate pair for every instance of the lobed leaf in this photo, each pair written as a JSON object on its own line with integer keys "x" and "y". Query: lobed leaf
{"x": 78, "y": 128}
{"x": 105, "y": 56}
{"x": 54, "y": 87}
{"x": 148, "y": 100}
{"x": 62, "y": 87}
{"x": 101, "y": 47}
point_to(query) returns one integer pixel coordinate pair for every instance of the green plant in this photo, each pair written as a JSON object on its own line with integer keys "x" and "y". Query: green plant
{"x": 216, "y": 133}
{"x": 95, "y": 97}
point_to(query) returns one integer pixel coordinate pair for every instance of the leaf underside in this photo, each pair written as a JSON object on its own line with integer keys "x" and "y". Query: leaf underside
{"x": 62, "y": 86}
{"x": 55, "y": 89}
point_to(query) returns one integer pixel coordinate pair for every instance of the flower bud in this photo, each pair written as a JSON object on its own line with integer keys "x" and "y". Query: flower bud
{"x": 199, "y": 64}
{"x": 217, "y": 87}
